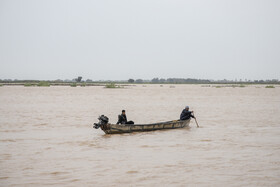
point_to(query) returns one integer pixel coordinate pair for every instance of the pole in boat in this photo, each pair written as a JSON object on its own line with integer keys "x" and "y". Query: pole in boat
{"x": 195, "y": 121}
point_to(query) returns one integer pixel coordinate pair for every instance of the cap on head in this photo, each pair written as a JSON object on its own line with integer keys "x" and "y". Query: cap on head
{"x": 187, "y": 107}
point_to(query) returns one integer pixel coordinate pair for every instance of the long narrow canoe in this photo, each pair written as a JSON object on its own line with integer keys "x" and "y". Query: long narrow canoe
{"x": 118, "y": 129}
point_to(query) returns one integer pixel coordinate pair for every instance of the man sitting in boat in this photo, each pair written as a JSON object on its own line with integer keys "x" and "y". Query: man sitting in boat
{"x": 186, "y": 114}
{"x": 123, "y": 119}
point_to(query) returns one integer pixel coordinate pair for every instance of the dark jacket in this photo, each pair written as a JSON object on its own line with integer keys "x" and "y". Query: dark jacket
{"x": 122, "y": 119}
{"x": 186, "y": 115}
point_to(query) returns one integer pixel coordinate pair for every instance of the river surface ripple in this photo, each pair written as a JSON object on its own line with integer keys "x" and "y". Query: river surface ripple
{"x": 46, "y": 137}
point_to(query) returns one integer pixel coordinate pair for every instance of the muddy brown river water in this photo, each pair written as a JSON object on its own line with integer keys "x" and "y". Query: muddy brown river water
{"x": 46, "y": 137}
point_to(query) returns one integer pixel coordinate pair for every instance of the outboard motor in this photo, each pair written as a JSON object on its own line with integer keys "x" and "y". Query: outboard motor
{"x": 103, "y": 120}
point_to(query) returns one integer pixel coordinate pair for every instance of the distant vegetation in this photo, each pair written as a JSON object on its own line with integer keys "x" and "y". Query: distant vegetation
{"x": 79, "y": 79}
{"x": 89, "y": 82}
{"x": 202, "y": 81}
{"x": 130, "y": 80}
{"x": 270, "y": 86}
{"x": 28, "y": 84}
{"x": 1, "y": 85}
{"x": 230, "y": 86}
{"x": 43, "y": 84}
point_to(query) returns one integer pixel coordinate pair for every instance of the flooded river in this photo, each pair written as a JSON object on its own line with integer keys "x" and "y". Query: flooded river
{"x": 46, "y": 136}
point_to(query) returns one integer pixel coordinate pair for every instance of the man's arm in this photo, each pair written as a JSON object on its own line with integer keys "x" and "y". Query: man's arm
{"x": 124, "y": 118}
{"x": 192, "y": 114}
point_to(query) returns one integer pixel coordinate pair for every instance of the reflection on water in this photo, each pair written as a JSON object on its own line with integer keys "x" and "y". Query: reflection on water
{"x": 46, "y": 137}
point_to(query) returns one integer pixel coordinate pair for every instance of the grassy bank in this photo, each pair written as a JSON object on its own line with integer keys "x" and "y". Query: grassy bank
{"x": 119, "y": 84}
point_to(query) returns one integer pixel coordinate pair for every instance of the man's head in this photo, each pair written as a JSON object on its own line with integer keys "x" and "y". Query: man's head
{"x": 123, "y": 111}
{"x": 187, "y": 108}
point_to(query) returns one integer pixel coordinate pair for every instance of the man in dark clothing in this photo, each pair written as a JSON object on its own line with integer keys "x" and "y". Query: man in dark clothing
{"x": 123, "y": 120}
{"x": 186, "y": 114}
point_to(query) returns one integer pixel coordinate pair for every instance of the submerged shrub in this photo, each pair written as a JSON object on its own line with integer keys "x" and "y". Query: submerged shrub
{"x": 112, "y": 85}
{"x": 43, "y": 83}
{"x": 270, "y": 86}
{"x": 27, "y": 84}
{"x": 73, "y": 84}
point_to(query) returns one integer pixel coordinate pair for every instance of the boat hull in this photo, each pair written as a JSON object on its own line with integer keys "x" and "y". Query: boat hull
{"x": 119, "y": 129}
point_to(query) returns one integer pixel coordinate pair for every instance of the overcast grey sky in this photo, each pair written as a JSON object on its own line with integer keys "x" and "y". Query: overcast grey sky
{"x": 121, "y": 39}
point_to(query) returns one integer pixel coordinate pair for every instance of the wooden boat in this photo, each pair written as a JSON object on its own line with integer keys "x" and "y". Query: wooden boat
{"x": 127, "y": 128}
